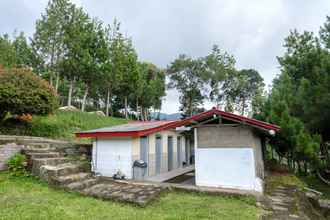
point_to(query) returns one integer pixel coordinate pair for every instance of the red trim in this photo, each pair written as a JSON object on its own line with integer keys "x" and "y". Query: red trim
{"x": 174, "y": 124}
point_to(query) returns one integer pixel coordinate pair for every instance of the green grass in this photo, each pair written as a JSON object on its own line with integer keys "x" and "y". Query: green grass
{"x": 27, "y": 198}
{"x": 59, "y": 125}
{"x": 283, "y": 179}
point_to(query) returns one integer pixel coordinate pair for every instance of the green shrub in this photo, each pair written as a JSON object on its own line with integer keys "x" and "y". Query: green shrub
{"x": 17, "y": 165}
{"x": 23, "y": 92}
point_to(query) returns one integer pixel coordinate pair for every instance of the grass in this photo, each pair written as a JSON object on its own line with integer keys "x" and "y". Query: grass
{"x": 283, "y": 179}
{"x": 289, "y": 179}
{"x": 28, "y": 198}
{"x": 60, "y": 125}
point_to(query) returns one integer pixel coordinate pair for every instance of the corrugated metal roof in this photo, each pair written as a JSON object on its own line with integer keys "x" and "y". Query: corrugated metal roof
{"x": 132, "y": 126}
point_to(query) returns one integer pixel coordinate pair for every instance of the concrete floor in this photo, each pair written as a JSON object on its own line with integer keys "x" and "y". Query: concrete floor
{"x": 171, "y": 174}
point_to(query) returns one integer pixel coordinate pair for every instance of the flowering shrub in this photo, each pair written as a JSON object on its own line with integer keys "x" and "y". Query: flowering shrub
{"x": 25, "y": 117}
{"x": 23, "y": 92}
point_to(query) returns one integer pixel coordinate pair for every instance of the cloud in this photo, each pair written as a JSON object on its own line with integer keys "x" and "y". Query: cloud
{"x": 253, "y": 31}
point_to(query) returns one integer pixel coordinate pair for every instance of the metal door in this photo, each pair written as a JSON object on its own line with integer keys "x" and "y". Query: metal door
{"x": 179, "y": 152}
{"x": 158, "y": 154}
{"x": 170, "y": 153}
{"x": 144, "y": 149}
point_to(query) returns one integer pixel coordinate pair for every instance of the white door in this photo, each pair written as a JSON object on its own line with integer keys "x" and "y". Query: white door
{"x": 225, "y": 167}
{"x": 113, "y": 155}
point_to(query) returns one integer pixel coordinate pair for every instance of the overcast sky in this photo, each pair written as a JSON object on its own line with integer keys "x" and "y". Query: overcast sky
{"x": 253, "y": 31}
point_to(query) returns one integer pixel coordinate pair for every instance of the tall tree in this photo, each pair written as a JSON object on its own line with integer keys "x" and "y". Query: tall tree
{"x": 7, "y": 52}
{"x": 220, "y": 66}
{"x": 49, "y": 36}
{"x": 189, "y": 77}
{"x": 243, "y": 88}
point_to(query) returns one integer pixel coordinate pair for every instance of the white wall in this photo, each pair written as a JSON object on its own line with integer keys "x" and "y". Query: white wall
{"x": 226, "y": 167}
{"x": 112, "y": 155}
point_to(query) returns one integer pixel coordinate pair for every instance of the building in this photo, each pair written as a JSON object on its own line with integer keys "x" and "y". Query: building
{"x": 224, "y": 149}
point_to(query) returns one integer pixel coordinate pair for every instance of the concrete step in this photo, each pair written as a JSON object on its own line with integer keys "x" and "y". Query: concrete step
{"x": 64, "y": 180}
{"x": 80, "y": 185}
{"x": 38, "y": 162}
{"x": 43, "y": 155}
{"x": 51, "y": 173}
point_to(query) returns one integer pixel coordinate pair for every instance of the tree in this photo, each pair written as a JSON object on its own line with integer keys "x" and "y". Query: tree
{"x": 48, "y": 38}
{"x": 189, "y": 77}
{"x": 219, "y": 66}
{"x": 149, "y": 89}
{"x": 125, "y": 66}
{"x": 25, "y": 55}
{"x": 23, "y": 92}
{"x": 241, "y": 87}
{"x": 7, "y": 52}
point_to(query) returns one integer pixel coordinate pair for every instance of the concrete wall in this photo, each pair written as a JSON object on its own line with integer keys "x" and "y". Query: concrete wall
{"x": 232, "y": 136}
{"x": 152, "y": 150}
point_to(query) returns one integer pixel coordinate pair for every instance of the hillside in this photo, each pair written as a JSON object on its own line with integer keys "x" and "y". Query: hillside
{"x": 60, "y": 125}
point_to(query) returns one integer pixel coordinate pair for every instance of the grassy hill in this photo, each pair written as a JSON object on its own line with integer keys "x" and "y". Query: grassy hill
{"x": 60, "y": 125}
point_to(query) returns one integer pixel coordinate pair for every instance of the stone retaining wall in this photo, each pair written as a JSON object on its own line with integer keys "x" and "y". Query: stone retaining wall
{"x": 10, "y": 144}
{"x": 6, "y": 151}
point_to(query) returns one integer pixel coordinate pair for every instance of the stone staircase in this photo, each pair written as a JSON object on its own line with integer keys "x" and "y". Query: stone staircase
{"x": 60, "y": 171}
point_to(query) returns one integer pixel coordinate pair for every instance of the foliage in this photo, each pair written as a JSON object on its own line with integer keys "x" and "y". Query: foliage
{"x": 299, "y": 100}
{"x": 188, "y": 76}
{"x": 240, "y": 89}
{"x": 30, "y": 199}
{"x": 23, "y": 92}
{"x": 59, "y": 125}
{"x": 17, "y": 165}
{"x": 215, "y": 78}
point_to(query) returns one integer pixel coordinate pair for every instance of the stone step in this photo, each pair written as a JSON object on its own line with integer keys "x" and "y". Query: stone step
{"x": 41, "y": 150}
{"x": 38, "y": 162}
{"x": 95, "y": 190}
{"x": 43, "y": 155}
{"x": 80, "y": 185}
{"x": 51, "y": 173}
{"x": 64, "y": 180}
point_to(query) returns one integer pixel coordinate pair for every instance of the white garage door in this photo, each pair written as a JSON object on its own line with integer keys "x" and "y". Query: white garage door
{"x": 112, "y": 155}
{"x": 225, "y": 167}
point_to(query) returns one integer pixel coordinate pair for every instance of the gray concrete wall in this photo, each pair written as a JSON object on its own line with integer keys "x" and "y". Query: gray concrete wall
{"x": 229, "y": 136}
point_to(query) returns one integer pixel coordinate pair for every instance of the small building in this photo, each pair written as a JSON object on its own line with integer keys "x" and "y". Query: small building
{"x": 224, "y": 149}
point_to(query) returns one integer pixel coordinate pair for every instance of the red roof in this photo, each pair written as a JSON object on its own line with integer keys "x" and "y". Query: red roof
{"x": 137, "y": 129}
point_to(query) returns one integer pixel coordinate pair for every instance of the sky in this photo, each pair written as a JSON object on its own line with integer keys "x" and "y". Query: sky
{"x": 253, "y": 31}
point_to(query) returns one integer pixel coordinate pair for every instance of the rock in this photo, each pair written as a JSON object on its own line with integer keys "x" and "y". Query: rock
{"x": 68, "y": 108}
{"x": 99, "y": 113}
{"x": 324, "y": 203}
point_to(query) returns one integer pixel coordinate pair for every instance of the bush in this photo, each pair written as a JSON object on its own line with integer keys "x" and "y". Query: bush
{"x": 17, "y": 165}
{"x": 23, "y": 92}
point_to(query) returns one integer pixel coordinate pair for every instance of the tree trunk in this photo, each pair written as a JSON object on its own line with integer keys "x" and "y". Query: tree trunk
{"x": 84, "y": 99}
{"x": 142, "y": 114}
{"x": 146, "y": 114}
{"x": 51, "y": 79}
{"x": 70, "y": 91}
{"x": 108, "y": 102}
{"x": 126, "y": 108}
{"x": 243, "y": 105}
{"x": 137, "y": 109}
{"x": 57, "y": 81}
